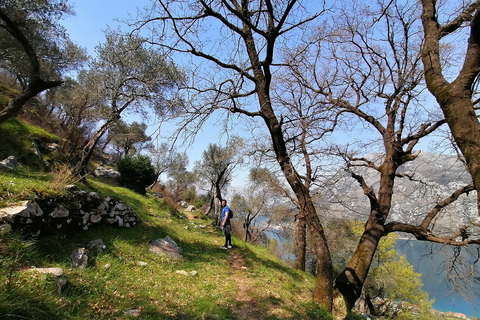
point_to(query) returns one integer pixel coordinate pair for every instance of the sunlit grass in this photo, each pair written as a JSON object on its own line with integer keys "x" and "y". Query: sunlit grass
{"x": 126, "y": 281}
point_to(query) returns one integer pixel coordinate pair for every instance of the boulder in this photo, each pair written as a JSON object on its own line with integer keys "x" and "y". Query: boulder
{"x": 166, "y": 246}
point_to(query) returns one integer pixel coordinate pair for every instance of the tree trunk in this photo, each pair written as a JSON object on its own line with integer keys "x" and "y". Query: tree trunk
{"x": 81, "y": 169}
{"x": 34, "y": 88}
{"x": 323, "y": 292}
{"x": 218, "y": 212}
{"x": 350, "y": 281}
{"x": 300, "y": 243}
{"x": 455, "y": 98}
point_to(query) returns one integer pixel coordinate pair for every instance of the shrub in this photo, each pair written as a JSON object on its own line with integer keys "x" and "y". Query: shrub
{"x": 136, "y": 172}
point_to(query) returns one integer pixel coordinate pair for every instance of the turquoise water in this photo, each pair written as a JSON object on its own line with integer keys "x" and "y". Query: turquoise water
{"x": 430, "y": 260}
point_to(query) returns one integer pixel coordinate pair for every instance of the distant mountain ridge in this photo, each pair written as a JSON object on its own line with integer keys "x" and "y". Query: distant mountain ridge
{"x": 434, "y": 177}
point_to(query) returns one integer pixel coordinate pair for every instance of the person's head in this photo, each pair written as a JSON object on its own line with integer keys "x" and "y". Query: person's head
{"x": 224, "y": 202}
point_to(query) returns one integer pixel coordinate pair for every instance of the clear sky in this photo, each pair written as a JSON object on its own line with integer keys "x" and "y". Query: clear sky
{"x": 93, "y": 16}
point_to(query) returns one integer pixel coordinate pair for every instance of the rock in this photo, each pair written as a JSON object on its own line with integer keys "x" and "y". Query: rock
{"x": 61, "y": 283}
{"x": 95, "y": 218}
{"x": 96, "y": 245}
{"x": 190, "y": 208}
{"x": 57, "y": 272}
{"x": 75, "y": 211}
{"x": 134, "y": 312}
{"x": 182, "y": 272}
{"x": 103, "y": 172}
{"x": 79, "y": 258}
{"x": 7, "y": 214}
{"x": 142, "y": 264}
{"x": 9, "y": 163}
{"x": 166, "y": 246}
{"x": 59, "y": 212}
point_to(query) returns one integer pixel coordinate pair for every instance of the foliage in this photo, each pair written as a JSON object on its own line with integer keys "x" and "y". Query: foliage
{"x": 127, "y": 138}
{"x": 136, "y": 172}
{"x": 127, "y": 76}
{"x": 38, "y": 20}
{"x": 34, "y": 48}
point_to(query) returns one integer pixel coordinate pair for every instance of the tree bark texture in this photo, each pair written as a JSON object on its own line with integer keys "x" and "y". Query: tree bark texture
{"x": 300, "y": 243}
{"x": 455, "y": 98}
{"x": 350, "y": 281}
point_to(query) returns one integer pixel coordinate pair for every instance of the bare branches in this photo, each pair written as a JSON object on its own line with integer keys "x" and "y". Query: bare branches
{"x": 424, "y": 231}
{"x": 465, "y": 16}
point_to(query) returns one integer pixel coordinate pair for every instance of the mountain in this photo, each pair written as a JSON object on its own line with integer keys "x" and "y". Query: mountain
{"x": 434, "y": 177}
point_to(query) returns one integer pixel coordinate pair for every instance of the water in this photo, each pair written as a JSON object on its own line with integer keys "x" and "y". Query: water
{"x": 429, "y": 260}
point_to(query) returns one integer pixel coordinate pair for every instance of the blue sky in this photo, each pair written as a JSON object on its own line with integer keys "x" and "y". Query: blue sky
{"x": 93, "y": 16}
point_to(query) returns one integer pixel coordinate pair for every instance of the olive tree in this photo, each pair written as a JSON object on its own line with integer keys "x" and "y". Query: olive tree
{"x": 35, "y": 48}
{"x": 217, "y": 166}
{"x": 127, "y": 75}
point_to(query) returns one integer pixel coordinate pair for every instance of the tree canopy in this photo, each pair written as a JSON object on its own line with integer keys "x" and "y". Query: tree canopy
{"x": 35, "y": 48}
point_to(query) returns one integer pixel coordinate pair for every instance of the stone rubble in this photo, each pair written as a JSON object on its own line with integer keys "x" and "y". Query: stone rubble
{"x": 76, "y": 211}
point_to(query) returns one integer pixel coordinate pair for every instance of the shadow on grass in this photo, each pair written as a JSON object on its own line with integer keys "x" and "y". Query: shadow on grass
{"x": 19, "y": 302}
{"x": 251, "y": 257}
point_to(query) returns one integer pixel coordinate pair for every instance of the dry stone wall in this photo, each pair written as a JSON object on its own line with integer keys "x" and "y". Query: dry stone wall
{"x": 76, "y": 211}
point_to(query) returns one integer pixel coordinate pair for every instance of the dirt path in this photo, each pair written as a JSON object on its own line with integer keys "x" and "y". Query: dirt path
{"x": 246, "y": 307}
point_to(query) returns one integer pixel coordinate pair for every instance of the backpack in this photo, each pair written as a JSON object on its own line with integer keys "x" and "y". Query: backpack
{"x": 230, "y": 213}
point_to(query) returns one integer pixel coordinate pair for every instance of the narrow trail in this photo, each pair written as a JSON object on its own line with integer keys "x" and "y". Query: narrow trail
{"x": 246, "y": 301}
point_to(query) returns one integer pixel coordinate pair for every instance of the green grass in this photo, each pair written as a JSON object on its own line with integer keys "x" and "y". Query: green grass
{"x": 17, "y": 137}
{"x": 115, "y": 283}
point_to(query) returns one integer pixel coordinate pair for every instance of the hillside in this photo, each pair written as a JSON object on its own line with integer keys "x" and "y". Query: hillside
{"x": 127, "y": 279}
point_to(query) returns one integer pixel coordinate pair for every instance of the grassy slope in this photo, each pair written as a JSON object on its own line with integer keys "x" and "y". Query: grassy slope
{"x": 244, "y": 283}
{"x": 238, "y": 283}
{"x": 247, "y": 282}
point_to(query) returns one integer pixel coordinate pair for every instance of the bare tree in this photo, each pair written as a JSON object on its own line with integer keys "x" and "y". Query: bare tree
{"x": 457, "y": 96}
{"x": 241, "y": 52}
{"x": 374, "y": 74}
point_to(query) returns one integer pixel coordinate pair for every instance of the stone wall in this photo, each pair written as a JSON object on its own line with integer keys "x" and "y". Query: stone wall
{"x": 76, "y": 211}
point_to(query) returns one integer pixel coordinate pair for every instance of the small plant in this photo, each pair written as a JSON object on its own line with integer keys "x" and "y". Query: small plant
{"x": 62, "y": 175}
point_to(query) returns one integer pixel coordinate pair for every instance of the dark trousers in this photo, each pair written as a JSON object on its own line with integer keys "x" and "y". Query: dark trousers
{"x": 227, "y": 231}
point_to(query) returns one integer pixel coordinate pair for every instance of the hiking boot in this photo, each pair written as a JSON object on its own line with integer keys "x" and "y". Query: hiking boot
{"x": 229, "y": 247}
{"x": 224, "y": 247}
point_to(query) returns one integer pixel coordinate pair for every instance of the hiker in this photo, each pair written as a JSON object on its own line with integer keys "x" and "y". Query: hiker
{"x": 226, "y": 225}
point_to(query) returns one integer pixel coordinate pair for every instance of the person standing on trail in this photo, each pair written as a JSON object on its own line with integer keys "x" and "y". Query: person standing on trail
{"x": 226, "y": 225}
